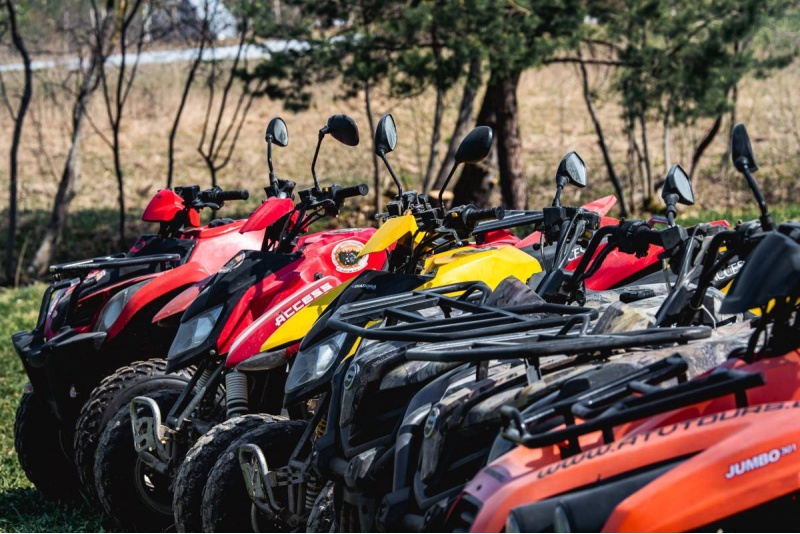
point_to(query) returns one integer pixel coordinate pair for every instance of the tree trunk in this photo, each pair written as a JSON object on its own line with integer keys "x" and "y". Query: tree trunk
{"x": 476, "y": 182}
{"x": 509, "y": 144}
{"x": 376, "y": 174}
{"x": 704, "y": 144}
{"x": 19, "y": 120}
{"x": 435, "y": 137}
{"x": 120, "y": 189}
{"x": 462, "y": 126}
{"x": 66, "y": 191}
{"x": 648, "y": 186}
{"x": 601, "y": 141}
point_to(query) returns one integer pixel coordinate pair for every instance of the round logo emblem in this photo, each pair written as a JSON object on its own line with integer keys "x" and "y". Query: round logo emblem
{"x": 345, "y": 256}
{"x": 350, "y": 376}
{"x": 430, "y": 422}
{"x": 233, "y": 263}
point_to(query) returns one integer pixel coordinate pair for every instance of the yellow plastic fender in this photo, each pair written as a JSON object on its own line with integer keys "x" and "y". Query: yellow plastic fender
{"x": 490, "y": 265}
{"x": 390, "y": 232}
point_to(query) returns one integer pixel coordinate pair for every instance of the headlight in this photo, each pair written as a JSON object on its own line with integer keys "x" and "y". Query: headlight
{"x": 113, "y": 308}
{"x": 315, "y": 361}
{"x": 195, "y": 331}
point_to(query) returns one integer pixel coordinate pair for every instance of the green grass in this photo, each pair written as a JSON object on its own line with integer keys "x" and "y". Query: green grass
{"x": 22, "y": 509}
{"x": 781, "y": 214}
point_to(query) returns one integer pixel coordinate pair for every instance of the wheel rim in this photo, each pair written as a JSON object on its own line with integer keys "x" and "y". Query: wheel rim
{"x": 153, "y": 488}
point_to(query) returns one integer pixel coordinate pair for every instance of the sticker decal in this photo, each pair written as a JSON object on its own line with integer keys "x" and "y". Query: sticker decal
{"x": 302, "y": 303}
{"x": 345, "y": 256}
{"x": 759, "y": 460}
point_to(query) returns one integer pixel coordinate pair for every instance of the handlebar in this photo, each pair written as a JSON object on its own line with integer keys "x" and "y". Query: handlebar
{"x": 218, "y": 196}
{"x": 473, "y": 216}
{"x": 341, "y": 193}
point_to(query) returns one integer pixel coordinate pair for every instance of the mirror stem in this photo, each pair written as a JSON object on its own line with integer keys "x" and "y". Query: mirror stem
{"x": 766, "y": 219}
{"x": 671, "y": 201}
{"x": 382, "y": 155}
{"x": 444, "y": 186}
{"x": 561, "y": 181}
{"x": 322, "y": 133}
{"x": 269, "y": 161}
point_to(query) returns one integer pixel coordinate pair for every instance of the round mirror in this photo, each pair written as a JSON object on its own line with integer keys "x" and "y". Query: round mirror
{"x": 343, "y": 129}
{"x": 277, "y": 131}
{"x": 475, "y": 146}
{"x": 385, "y": 135}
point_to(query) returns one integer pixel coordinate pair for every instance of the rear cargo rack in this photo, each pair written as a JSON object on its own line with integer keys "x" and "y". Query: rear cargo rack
{"x": 634, "y": 396}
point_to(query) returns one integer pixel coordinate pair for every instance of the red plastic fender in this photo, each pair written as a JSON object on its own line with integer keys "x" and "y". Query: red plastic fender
{"x": 267, "y": 213}
{"x": 249, "y": 342}
{"x": 179, "y": 304}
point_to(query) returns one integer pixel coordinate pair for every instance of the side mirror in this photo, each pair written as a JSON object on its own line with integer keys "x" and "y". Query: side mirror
{"x": 277, "y": 132}
{"x": 571, "y": 170}
{"x": 385, "y": 135}
{"x": 742, "y": 150}
{"x": 678, "y": 183}
{"x": 385, "y": 141}
{"x": 473, "y": 148}
{"x": 343, "y": 129}
{"x": 677, "y": 189}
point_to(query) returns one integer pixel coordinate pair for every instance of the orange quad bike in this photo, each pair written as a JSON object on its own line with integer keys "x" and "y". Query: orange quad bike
{"x": 641, "y": 454}
{"x": 715, "y": 453}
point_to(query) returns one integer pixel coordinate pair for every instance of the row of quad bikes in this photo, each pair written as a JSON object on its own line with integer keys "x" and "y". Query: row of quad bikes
{"x": 436, "y": 374}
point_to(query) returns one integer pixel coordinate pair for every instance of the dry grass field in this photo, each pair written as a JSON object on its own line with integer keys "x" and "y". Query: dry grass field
{"x": 553, "y": 121}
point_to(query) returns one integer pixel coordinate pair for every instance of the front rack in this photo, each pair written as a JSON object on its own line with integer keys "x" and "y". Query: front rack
{"x": 406, "y": 323}
{"x": 112, "y": 262}
{"x": 632, "y": 397}
{"x": 561, "y": 343}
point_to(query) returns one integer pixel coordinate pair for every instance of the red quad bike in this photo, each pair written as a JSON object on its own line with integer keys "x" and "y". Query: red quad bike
{"x": 96, "y": 317}
{"x": 603, "y": 458}
{"x": 289, "y": 273}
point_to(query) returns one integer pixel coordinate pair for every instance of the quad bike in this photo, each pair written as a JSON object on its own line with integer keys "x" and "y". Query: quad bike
{"x": 716, "y": 453}
{"x": 290, "y": 272}
{"x": 98, "y": 310}
{"x": 318, "y": 363}
{"x": 600, "y": 418}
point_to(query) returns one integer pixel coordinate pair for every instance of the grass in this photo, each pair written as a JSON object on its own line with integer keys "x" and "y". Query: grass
{"x": 22, "y": 509}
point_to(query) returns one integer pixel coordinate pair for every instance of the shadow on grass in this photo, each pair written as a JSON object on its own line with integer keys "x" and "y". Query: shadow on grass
{"x": 25, "y": 510}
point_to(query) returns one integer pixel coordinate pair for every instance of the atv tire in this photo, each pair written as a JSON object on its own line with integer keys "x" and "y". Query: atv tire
{"x": 226, "y": 504}
{"x": 136, "y": 497}
{"x": 114, "y": 392}
{"x": 37, "y": 440}
{"x": 187, "y": 500}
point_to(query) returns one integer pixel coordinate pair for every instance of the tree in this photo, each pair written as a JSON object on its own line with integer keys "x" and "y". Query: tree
{"x": 679, "y": 63}
{"x": 93, "y": 36}
{"x": 19, "y": 120}
{"x": 115, "y": 97}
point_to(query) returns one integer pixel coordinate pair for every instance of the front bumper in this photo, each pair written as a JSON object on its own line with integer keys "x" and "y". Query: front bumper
{"x": 63, "y": 369}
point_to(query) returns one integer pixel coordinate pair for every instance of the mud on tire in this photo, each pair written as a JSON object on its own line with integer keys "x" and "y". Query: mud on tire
{"x": 226, "y": 504}
{"x": 37, "y": 440}
{"x": 136, "y": 497}
{"x": 187, "y": 498}
{"x": 114, "y": 392}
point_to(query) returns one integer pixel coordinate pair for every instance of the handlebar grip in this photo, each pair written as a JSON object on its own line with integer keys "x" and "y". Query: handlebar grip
{"x": 353, "y": 191}
{"x": 234, "y": 194}
{"x": 650, "y": 236}
{"x": 474, "y": 216}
